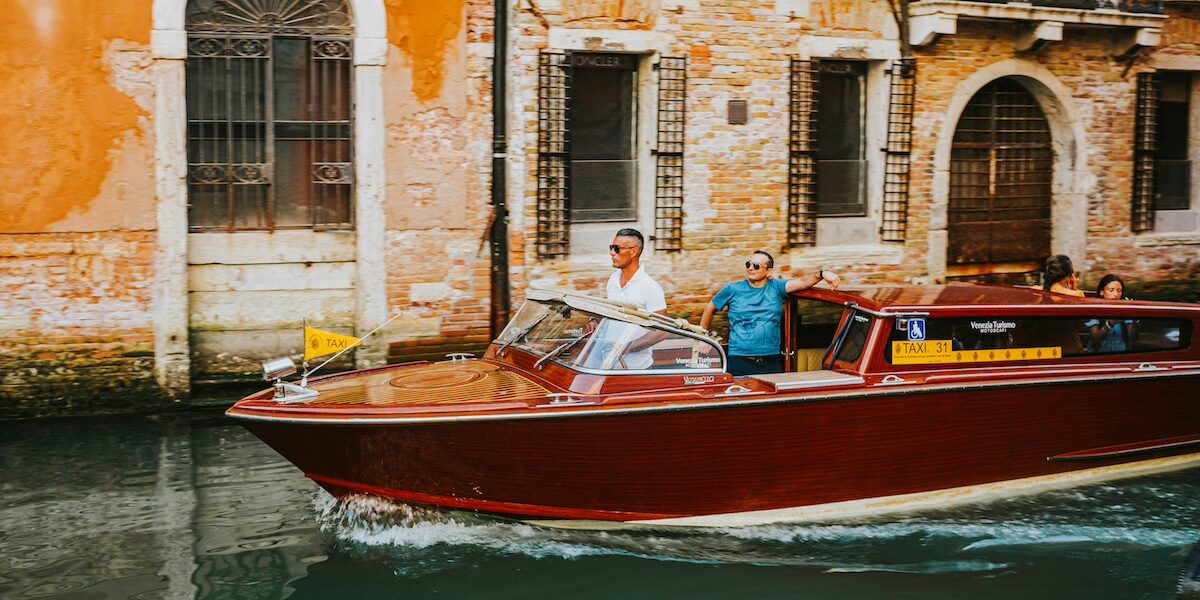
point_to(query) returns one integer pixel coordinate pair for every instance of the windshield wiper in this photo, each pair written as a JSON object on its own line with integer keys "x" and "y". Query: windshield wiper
{"x": 563, "y": 347}
{"x": 520, "y": 334}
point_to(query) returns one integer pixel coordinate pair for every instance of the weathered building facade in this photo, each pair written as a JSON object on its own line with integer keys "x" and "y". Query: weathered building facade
{"x": 207, "y": 175}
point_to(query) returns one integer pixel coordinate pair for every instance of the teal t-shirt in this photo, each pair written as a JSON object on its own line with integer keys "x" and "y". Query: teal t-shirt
{"x": 754, "y": 316}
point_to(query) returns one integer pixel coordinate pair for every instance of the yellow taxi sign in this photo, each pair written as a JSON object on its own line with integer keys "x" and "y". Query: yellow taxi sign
{"x": 933, "y": 352}
{"x": 318, "y": 342}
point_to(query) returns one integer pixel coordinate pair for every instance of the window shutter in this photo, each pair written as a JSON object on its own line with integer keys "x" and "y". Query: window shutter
{"x": 802, "y": 154}
{"x": 554, "y": 155}
{"x": 897, "y": 153}
{"x": 1145, "y": 134}
{"x": 668, "y": 186}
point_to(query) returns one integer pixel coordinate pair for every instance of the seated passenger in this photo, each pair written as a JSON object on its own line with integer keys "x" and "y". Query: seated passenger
{"x": 1110, "y": 335}
{"x": 755, "y": 314}
{"x": 1059, "y": 276}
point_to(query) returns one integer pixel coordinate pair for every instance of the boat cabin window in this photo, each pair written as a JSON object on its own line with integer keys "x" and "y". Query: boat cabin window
{"x": 813, "y": 324}
{"x": 589, "y": 342}
{"x": 856, "y": 337}
{"x": 917, "y": 341}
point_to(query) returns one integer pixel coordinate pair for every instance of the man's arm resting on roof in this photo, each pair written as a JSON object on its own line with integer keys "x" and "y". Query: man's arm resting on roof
{"x": 808, "y": 280}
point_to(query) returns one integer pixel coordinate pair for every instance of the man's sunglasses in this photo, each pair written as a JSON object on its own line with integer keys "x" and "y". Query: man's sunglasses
{"x": 756, "y": 266}
{"x": 617, "y": 249}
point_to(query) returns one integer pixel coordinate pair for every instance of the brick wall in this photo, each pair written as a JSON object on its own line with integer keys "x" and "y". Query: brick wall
{"x": 76, "y": 329}
{"x": 75, "y": 324}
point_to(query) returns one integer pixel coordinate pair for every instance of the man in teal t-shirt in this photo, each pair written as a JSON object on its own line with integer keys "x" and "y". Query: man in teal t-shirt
{"x": 755, "y": 312}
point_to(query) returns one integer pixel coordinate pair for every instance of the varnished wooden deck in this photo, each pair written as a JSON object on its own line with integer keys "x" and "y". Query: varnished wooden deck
{"x": 442, "y": 384}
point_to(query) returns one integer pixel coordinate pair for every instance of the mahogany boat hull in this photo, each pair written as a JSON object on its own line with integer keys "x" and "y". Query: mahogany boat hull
{"x": 737, "y": 457}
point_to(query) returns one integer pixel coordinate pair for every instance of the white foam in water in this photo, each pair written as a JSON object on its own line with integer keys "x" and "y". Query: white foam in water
{"x": 933, "y": 566}
{"x": 376, "y": 522}
{"x": 1097, "y": 516}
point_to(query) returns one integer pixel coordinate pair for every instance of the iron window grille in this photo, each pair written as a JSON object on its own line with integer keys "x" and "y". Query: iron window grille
{"x": 668, "y": 186}
{"x": 1145, "y": 135}
{"x": 554, "y": 155}
{"x": 269, "y": 114}
{"x": 898, "y": 151}
{"x": 802, "y": 153}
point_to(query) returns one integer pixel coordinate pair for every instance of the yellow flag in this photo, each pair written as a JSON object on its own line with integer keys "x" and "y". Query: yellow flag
{"x": 318, "y": 342}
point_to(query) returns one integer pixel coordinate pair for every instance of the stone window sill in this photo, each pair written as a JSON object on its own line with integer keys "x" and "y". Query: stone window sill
{"x": 1159, "y": 240}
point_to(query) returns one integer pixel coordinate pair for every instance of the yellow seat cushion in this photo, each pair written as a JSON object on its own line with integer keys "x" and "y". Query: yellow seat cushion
{"x": 809, "y": 359}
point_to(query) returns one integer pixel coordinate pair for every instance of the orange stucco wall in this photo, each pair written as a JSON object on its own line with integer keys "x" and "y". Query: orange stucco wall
{"x": 76, "y": 101}
{"x": 423, "y": 31}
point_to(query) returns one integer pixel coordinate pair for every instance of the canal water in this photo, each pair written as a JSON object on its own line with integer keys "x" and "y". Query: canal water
{"x": 193, "y": 506}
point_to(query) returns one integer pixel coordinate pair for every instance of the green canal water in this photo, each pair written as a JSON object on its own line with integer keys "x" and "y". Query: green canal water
{"x": 193, "y": 506}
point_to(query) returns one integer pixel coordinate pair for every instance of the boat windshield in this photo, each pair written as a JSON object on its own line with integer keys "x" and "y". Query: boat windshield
{"x": 588, "y": 342}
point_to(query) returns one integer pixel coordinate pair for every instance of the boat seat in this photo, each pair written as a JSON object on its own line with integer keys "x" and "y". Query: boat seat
{"x": 807, "y": 379}
{"x": 809, "y": 359}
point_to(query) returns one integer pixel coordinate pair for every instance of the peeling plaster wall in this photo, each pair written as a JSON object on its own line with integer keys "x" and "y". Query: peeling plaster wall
{"x": 424, "y": 33}
{"x": 77, "y": 212}
{"x": 76, "y": 77}
{"x": 438, "y": 125}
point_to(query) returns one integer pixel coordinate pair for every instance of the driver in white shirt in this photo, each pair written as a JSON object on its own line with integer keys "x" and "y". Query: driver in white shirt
{"x": 630, "y": 283}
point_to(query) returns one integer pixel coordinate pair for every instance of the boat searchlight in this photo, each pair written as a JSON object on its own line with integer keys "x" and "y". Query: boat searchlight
{"x": 278, "y": 368}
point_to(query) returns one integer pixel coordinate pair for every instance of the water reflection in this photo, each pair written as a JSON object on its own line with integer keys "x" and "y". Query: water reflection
{"x": 180, "y": 507}
{"x": 146, "y": 507}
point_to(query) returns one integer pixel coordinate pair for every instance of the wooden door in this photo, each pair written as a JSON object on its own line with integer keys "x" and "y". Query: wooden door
{"x": 1001, "y": 167}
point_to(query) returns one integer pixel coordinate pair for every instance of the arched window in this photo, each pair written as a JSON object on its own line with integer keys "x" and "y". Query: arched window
{"x": 269, "y": 114}
{"x": 1001, "y": 170}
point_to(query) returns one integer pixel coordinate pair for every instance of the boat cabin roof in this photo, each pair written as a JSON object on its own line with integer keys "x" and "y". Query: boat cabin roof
{"x": 970, "y": 298}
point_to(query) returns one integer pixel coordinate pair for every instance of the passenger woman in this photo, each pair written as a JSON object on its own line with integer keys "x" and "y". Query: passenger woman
{"x": 1059, "y": 276}
{"x": 1111, "y": 287}
{"x": 1110, "y": 335}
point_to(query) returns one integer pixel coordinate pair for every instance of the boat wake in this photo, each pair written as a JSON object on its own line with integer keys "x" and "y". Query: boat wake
{"x": 985, "y": 538}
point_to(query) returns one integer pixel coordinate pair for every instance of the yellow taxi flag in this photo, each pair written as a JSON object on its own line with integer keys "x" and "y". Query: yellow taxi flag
{"x": 318, "y": 342}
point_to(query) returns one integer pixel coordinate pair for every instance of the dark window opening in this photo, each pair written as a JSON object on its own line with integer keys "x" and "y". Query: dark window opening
{"x": 841, "y": 125}
{"x": 602, "y": 125}
{"x": 1172, "y": 164}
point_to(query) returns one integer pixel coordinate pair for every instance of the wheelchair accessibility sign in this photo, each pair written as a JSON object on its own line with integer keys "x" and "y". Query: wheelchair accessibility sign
{"x": 916, "y": 330}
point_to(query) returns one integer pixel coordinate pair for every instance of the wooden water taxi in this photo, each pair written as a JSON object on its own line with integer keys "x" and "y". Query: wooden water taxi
{"x": 586, "y": 412}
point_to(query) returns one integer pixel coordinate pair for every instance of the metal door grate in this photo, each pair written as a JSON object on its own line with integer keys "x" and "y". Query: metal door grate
{"x": 1001, "y": 166}
{"x": 668, "y": 186}
{"x": 554, "y": 155}
{"x": 1145, "y": 136}
{"x": 802, "y": 154}
{"x": 269, "y": 115}
{"x": 897, "y": 154}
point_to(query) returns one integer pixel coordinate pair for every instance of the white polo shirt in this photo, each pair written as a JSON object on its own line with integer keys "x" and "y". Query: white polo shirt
{"x": 641, "y": 291}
